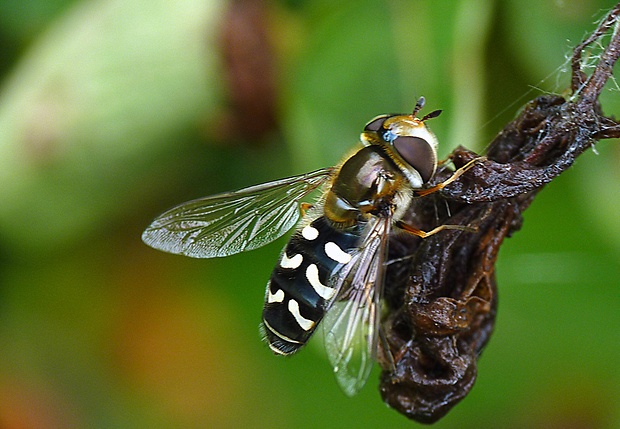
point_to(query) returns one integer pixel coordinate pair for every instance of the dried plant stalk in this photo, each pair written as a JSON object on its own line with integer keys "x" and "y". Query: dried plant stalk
{"x": 442, "y": 299}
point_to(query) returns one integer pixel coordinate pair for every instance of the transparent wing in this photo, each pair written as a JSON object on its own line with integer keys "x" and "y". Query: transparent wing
{"x": 352, "y": 324}
{"x": 229, "y": 223}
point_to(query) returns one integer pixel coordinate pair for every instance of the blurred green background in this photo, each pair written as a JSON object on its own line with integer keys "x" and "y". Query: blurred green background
{"x": 111, "y": 111}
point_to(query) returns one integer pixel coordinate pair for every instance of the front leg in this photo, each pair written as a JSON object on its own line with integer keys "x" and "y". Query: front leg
{"x": 458, "y": 173}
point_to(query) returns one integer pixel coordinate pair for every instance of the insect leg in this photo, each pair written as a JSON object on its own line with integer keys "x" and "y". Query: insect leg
{"x": 387, "y": 354}
{"x": 456, "y": 175}
{"x": 304, "y": 207}
{"x": 423, "y": 234}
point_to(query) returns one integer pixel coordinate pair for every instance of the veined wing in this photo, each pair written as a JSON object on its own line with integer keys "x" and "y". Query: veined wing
{"x": 352, "y": 324}
{"x": 232, "y": 222}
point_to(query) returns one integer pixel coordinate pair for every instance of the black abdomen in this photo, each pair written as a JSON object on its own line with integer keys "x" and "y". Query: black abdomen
{"x": 299, "y": 291}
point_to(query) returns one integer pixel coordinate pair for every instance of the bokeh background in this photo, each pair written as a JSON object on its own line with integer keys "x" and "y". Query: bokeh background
{"x": 111, "y": 111}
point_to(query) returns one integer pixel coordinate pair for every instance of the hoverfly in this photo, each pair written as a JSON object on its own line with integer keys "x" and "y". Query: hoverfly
{"x": 331, "y": 272}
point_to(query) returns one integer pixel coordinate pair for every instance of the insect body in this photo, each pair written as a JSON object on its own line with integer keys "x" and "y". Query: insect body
{"x": 332, "y": 270}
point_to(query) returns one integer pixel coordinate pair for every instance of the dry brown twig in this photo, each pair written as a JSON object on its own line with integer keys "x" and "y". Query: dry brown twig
{"x": 442, "y": 299}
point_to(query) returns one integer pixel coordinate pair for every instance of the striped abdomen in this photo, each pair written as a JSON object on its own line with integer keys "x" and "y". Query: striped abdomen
{"x": 299, "y": 293}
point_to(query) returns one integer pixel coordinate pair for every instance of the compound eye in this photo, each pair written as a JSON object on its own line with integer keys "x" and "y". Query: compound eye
{"x": 418, "y": 153}
{"x": 376, "y": 124}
